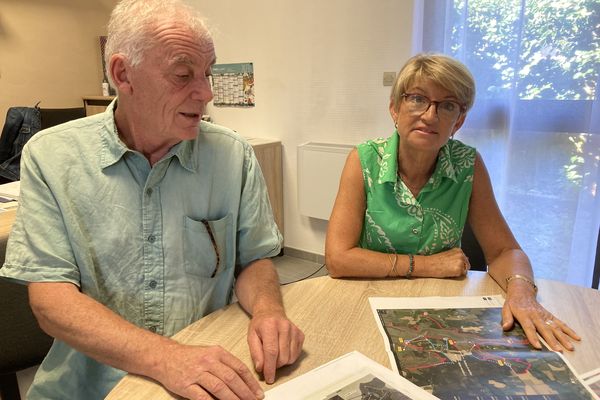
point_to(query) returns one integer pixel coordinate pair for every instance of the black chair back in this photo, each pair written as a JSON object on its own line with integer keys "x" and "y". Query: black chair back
{"x": 55, "y": 116}
{"x": 470, "y": 246}
{"x": 22, "y": 341}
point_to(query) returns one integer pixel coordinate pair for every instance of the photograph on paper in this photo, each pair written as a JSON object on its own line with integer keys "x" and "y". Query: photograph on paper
{"x": 455, "y": 348}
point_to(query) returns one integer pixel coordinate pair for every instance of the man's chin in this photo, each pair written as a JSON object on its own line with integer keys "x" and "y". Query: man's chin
{"x": 189, "y": 133}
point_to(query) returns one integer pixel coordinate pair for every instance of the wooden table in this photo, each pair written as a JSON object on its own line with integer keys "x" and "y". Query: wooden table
{"x": 336, "y": 317}
{"x": 6, "y": 220}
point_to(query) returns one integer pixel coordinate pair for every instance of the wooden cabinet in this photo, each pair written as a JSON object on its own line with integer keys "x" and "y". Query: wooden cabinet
{"x": 268, "y": 154}
{"x": 96, "y": 104}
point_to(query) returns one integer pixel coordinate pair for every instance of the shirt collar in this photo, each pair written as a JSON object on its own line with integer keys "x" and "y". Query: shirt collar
{"x": 184, "y": 151}
{"x": 388, "y": 153}
{"x": 445, "y": 165}
{"x": 388, "y": 157}
{"x": 114, "y": 149}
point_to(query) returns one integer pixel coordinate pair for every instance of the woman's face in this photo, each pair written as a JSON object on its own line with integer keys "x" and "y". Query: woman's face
{"x": 427, "y": 131}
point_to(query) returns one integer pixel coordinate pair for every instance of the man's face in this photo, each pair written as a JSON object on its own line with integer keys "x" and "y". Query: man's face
{"x": 171, "y": 86}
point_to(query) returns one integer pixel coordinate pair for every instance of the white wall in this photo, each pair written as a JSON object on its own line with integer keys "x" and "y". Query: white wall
{"x": 318, "y": 68}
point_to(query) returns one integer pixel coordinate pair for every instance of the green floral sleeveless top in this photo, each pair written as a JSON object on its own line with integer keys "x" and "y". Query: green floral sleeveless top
{"x": 397, "y": 222}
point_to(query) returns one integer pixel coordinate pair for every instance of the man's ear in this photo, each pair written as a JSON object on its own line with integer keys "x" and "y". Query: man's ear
{"x": 119, "y": 71}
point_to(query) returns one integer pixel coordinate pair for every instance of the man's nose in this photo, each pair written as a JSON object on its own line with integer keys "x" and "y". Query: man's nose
{"x": 202, "y": 90}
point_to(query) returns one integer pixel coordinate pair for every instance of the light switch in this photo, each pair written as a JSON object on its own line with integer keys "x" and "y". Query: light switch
{"x": 388, "y": 78}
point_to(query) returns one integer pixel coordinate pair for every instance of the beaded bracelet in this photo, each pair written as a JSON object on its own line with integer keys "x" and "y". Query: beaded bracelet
{"x": 526, "y": 279}
{"x": 411, "y": 266}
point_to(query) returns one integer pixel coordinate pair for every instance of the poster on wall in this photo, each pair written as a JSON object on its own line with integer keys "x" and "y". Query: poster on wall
{"x": 233, "y": 85}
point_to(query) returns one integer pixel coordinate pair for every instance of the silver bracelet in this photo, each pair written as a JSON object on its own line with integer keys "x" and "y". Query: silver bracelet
{"x": 411, "y": 266}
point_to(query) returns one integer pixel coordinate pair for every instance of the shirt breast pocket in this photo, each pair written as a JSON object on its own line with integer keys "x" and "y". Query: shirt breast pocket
{"x": 205, "y": 246}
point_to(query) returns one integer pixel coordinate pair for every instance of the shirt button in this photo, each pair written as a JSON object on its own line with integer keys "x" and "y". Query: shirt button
{"x": 415, "y": 231}
{"x": 152, "y": 329}
{"x": 152, "y": 284}
{"x": 151, "y": 238}
{"x": 149, "y": 191}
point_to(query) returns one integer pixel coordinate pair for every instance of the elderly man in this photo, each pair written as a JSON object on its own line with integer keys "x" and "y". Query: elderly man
{"x": 136, "y": 222}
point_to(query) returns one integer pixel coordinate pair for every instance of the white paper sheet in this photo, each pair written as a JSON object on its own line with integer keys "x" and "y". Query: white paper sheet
{"x": 342, "y": 377}
{"x": 591, "y": 374}
{"x": 11, "y": 189}
{"x": 592, "y": 379}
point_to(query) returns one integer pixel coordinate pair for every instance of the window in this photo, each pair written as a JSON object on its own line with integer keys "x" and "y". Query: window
{"x": 536, "y": 119}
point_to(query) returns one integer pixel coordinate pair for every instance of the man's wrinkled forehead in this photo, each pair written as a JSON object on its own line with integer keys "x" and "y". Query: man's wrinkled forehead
{"x": 184, "y": 59}
{"x": 181, "y": 44}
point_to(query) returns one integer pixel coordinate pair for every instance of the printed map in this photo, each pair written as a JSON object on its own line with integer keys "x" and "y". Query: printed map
{"x": 463, "y": 354}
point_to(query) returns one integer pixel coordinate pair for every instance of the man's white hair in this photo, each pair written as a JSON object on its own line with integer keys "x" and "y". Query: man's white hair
{"x": 132, "y": 22}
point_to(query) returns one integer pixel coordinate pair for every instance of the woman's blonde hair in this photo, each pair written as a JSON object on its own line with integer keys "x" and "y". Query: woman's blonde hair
{"x": 440, "y": 69}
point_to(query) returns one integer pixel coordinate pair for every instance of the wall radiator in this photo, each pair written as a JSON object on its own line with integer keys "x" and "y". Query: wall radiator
{"x": 319, "y": 169}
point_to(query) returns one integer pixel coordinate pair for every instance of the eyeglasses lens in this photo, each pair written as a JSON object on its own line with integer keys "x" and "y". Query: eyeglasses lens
{"x": 445, "y": 109}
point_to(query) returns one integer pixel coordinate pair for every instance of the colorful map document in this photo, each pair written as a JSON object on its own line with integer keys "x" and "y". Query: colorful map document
{"x": 454, "y": 348}
{"x": 351, "y": 376}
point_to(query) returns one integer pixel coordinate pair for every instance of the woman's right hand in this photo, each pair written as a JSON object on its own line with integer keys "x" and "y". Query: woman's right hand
{"x": 451, "y": 263}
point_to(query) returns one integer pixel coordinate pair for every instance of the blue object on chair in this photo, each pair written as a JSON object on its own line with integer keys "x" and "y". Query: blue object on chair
{"x": 20, "y": 125}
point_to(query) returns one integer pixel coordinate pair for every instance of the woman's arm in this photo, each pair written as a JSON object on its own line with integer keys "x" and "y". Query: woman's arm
{"x": 342, "y": 255}
{"x": 345, "y": 259}
{"x": 509, "y": 266}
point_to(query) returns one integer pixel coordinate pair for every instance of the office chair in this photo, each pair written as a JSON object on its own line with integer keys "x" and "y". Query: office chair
{"x": 22, "y": 341}
{"x": 54, "y": 116}
{"x": 14, "y": 138}
{"x": 470, "y": 246}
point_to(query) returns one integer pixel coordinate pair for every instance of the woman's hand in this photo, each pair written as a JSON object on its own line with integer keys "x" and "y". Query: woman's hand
{"x": 447, "y": 264}
{"x": 521, "y": 305}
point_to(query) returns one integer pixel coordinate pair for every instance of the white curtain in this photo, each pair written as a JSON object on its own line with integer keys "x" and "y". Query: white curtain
{"x": 536, "y": 119}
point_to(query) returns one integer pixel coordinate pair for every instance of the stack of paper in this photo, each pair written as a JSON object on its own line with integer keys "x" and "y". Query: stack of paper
{"x": 351, "y": 376}
{"x": 9, "y": 195}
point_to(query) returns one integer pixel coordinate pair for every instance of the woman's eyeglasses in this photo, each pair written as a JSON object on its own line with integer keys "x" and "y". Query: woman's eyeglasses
{"x": 445, "y": 109}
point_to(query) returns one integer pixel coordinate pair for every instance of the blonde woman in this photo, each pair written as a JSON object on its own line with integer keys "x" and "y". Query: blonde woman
{"x": 403, "y": 201}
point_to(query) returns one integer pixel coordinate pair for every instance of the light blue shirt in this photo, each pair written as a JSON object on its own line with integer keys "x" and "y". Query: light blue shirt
{"x": 96, "y": 214}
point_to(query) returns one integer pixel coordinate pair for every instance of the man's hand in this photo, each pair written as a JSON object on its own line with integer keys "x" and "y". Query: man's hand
{"x": 204, "y": 373}
{"x": 274, "y": 341}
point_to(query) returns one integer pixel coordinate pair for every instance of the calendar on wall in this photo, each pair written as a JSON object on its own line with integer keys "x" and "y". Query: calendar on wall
{"x": 233, "y": 85}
